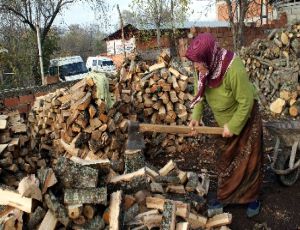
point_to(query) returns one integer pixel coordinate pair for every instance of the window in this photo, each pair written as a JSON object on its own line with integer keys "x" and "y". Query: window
{"x": 94, "y": 62}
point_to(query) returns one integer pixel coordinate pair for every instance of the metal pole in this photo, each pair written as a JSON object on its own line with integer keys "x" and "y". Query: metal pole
{"x": 40, "y": 53}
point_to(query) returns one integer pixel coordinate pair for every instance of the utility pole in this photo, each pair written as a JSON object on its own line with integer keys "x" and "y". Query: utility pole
{"x": 122, "y": 29}
{"x": 40, "y": 53}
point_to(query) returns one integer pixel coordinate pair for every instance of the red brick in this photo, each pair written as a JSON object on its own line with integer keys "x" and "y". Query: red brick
{"x": 23, "y": 108}
{"x": 11, "y": 102}
{"x": 38, "y": 94}
{"x": 26, "y": 99}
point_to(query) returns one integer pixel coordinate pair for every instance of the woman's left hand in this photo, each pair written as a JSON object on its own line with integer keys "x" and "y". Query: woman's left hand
{"x": 226, "y": 132}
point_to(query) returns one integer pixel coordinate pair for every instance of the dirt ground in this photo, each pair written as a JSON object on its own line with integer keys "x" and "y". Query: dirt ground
{"x": 280, "y": 204}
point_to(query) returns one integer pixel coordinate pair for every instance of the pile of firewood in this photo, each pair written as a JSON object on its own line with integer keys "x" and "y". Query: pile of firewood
{"x": 88, "y": 194}
{"x": 273, "y": 65}
{"x": 15, "y": 159}
{"x": 77, "y": 123}
{"x": 161, "y": 94}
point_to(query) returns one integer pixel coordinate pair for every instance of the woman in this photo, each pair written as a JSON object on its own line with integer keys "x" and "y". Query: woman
{"x": 224, "y": 84}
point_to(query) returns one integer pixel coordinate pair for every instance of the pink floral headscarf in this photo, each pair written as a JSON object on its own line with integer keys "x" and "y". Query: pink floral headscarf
{"x": 205, "y": 49}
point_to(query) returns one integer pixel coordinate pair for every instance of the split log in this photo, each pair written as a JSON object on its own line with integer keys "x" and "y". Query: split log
{"x": 167, "y": 168}
{"x": 88, "y": 211}
{"x": 85, "y": 196}
{"x": 47, "y": 178}
{"x": 134, "y": 160}
{"x": 219, "y": 220}
{"x": 182, "y": 209}
{"x": 196, "y": 221}
{"x": 36, "y": 217}
{"x": 182, "y": 226}
{"x": 49, "y": 222}
{"x": 169, "y": 216}
{"x": 74, "y": 211}
{"x": 57, "y": 208}
{"x": 28, "y": 187}
{"x": 115, "y": 211}
{"x": 73, "y": 175}
{"x": 16, "y": 200}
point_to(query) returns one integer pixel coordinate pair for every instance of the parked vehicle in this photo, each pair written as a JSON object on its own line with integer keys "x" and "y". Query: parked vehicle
{"x": 68, "y": 68}
{"x": 100, "y": 64}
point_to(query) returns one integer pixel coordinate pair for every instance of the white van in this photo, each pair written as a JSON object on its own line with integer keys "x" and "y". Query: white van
{"x": 68, "y": 68}
{"x": 100, "y": 64}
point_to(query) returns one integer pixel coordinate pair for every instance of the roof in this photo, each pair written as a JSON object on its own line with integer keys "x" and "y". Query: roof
{"x": 130, "y": 29}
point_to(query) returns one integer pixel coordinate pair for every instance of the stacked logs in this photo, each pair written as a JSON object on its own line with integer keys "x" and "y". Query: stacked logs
{"x": 16, "y": 161}
{"x": 88, "y": 194}
{"x": 161, "y": 95}
{"x": 273, "y": 65}
{"x": 76, "y": 122}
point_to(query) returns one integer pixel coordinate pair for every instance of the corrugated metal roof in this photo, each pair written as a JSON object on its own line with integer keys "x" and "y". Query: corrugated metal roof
{"x": 187, "y": 25}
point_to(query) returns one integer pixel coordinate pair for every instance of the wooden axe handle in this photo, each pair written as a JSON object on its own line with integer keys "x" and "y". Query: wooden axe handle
{"x": 179, "y": 129}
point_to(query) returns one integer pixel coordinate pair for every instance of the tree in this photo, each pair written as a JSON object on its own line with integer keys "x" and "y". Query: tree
{"x": 237, "y": 10}
{"x": 160, "y": 13}
{"x": 79, "y": 40}
{"x": 35, "y": 12}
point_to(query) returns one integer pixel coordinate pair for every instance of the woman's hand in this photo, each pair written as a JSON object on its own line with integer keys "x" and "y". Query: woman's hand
{"x": 226, "y": 132}
{"x": 192, "y": 125}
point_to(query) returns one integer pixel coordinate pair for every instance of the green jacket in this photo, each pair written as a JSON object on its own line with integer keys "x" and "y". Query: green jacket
{"x": 232, "y": 101}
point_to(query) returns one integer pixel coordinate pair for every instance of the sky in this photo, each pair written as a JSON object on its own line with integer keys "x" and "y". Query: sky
{"x": 81, "y": 13}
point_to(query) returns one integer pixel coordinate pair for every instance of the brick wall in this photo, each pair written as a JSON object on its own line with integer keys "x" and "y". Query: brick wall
{"x": 22, "y": 99}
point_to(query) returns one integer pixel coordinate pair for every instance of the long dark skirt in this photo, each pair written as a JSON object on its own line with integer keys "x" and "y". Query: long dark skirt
{"x": 240, "y": 163}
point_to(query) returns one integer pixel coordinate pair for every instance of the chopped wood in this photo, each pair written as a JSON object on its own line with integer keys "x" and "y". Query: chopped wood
{"x": 167, "y": 168}
{"x": 74, "y": 211}
{"x": 57, "y": 208}
{"x": 174, "y": 72}
{"x": 49, "y": 222}
{"x": 179, "y": 189}
{"x": 128, "y": 176}
{"x": 3, "y": 147}
{"x": 36, "y": 217}
{"x": 182, "y": 226}
{"x": 85, "y": 196}
{"x": 28, "y": 187}
{"x": 157, "y": 66}
{"x": 169, "y": 216}
{"x": 3, "y": 124}
{"x": 182, "y": 209}
{"x": 152, "y": 221}
{"x": 219, "y": 220}
{"x": 16, "y": 200}
{"x": 277, "y": 106}
{"x": 115, "y": 211}
{"x": 151, "y": 172}
{"x": 156, "y": 188}
{"x": 47, "y": 178}
{"x": 134, "y": 160}
{"x": 131, "y": 213}
{"x": 73, "y": 175}
{"x": 196, "y": 221}
{"x": 103, "y": 164}
{"x": 88, "y": 211}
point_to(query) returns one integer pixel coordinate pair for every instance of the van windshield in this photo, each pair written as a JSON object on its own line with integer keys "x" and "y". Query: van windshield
{"x": 107, "y": 63}
{"x": 69, "y": 69}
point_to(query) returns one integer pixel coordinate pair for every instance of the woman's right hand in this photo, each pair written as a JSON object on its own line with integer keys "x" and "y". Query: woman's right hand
{"x": 192, "y": 125}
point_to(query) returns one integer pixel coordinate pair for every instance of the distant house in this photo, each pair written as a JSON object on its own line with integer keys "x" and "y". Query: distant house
{"x": 261, "y": 12}
{"x": 144, "y": 41}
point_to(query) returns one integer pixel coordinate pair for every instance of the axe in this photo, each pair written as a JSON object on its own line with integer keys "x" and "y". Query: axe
{"x": 136, "y": 129}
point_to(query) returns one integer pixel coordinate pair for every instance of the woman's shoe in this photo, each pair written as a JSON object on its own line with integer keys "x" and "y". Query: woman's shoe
{"x": 253, "y": 208}
{"x": 214, "y": 208}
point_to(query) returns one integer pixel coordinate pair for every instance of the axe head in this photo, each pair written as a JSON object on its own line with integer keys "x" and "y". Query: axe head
{"x": 135, "y": 137}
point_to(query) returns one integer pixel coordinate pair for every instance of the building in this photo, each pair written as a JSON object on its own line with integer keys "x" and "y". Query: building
{"x": 261, "y": 12}
{"x": 144, "y": 40}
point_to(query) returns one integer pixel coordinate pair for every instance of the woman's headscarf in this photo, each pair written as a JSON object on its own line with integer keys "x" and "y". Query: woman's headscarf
{"x": 205, "y": 49}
